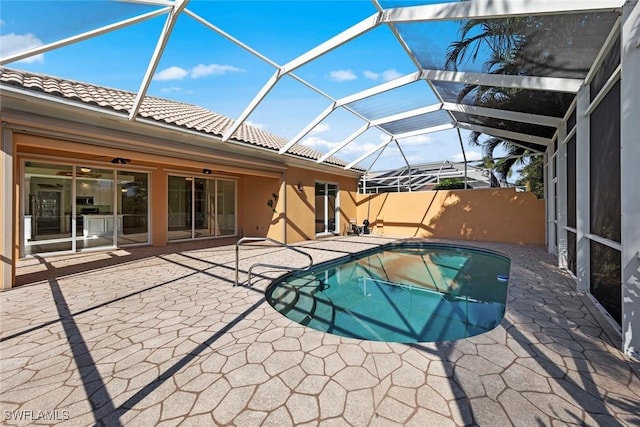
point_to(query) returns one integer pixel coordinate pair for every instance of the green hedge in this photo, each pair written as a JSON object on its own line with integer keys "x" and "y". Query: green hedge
{"x": 451, "y": 184}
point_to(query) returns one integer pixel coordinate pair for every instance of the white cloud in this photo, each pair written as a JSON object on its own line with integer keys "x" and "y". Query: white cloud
{"x": 416, "y": 140}
{"x": 386, "y": 75}
{"x": 371, "y": 75}
{"x": 15, "y": 43}
{"x": 255, "y": 125}
{"x": 471, "y": 155}
{"x": 357, "y": 148}
{"x": 322, "y": 127}
{"x": 390, "y": 74}
{"x": 415, "y": 159}
{"x": 318, "y": 143}
{"x": 342, "y": 75}
{"x": 202, "y": 70}
{"x": 171, "y": 73}
{"x": 172, "y": 89}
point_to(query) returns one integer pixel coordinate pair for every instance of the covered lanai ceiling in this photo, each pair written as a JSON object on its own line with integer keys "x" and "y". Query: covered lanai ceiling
{"x": 503, "y": 68}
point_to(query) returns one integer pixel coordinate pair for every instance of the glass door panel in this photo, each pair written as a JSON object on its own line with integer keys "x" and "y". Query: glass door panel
{"x": 47, "y": 208}
{"x": 226, "y": 208}
{"x": 94, "y": 208}
{"x": 180, "y": 207}
{"x": 332, "y": 198}
{"x": 204, "y": 197}
{"x": 320, "y": 207}
{"x": 133, "y": 207}
{"x": 326, "y": 208}
{"x": 200, "y": 207}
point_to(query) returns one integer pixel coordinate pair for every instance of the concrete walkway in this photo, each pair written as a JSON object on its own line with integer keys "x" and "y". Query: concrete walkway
{"x": 153, "y": 337}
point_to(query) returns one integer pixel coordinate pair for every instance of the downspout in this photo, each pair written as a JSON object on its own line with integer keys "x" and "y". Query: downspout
{"x": 284, "y": 207}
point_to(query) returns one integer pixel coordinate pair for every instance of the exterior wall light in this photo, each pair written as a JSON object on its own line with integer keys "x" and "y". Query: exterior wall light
{"x": 206, "y": 171}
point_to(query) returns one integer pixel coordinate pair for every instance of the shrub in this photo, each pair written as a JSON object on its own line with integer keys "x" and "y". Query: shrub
{"x": 451, "y": 184}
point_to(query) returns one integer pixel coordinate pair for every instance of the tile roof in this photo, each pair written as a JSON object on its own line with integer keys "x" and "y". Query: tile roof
{"x": 179, "y": 114}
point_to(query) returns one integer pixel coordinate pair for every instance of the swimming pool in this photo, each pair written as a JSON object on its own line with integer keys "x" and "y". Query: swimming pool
{"x": 405, "y": 292}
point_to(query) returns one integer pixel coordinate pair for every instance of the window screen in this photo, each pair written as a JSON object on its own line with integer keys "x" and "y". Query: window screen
{"x": 605, "y": 167}
{"x": 606, "y": 278}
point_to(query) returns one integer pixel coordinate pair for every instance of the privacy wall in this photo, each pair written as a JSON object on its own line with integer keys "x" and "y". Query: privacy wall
{"x": 494, "y": 215}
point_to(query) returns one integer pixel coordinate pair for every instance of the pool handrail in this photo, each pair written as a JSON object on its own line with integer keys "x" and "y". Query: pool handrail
{"x": 259, "y": 264}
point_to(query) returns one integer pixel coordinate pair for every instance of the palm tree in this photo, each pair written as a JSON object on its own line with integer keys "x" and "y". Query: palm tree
{"x": 512, "y": 46}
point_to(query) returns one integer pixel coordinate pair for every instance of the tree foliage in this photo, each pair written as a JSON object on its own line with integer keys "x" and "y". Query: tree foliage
{"x": 532, "y": 176}
{"x": 512, "y": 46}
{"x": 451, "y": 184}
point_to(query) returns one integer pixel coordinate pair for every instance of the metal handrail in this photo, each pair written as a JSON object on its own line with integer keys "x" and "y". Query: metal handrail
{"x": 258, "y": 264}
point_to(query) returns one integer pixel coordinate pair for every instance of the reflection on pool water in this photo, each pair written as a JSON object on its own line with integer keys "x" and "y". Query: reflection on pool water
{"x": 408, "y": 292}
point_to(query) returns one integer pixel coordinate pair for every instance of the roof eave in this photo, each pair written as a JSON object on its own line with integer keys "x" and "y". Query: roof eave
{"x": 162, "y": 130}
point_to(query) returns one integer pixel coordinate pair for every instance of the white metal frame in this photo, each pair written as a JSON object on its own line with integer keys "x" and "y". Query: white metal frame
{"x": 484, "y": 9}
{"x": 475, "y": 9}
{"x": 629, "y": 161}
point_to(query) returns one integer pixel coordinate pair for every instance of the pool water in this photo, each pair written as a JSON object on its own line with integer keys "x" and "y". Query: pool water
{"x": 407, "y": 293}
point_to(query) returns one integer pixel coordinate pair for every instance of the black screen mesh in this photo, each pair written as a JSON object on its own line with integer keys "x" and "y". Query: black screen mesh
{"x": 609, "y": 64}
{"x": 571, "y": 182}
{"x": 571, "y": 251}
{"x": 606, "y": 278}
{"x": 571, "y": 121}
{"x": 605, "y": 167}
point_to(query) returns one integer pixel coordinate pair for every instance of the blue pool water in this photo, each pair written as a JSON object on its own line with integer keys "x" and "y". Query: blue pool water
{"x": 407, "y": 292}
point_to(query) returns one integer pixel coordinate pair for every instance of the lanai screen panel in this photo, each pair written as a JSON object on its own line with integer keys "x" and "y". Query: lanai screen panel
{"x": 405, "y": 98}
{"x": 546, "y": 45}
{"x": 422, "y": 121}
{"x": 609, "y": 64}
{"x": 513, "y": 126}
{"x": 546, "y": 103}
{"x": 81, "y": 16}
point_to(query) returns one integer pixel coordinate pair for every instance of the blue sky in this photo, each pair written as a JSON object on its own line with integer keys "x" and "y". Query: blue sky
{"x": 201, "y": 67}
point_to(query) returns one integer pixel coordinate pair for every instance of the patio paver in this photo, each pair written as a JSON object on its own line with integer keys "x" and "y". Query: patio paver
{"x": 165, "y": 339}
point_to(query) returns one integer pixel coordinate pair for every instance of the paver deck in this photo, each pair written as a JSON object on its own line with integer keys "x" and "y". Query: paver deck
{"x": 163, "y": 338}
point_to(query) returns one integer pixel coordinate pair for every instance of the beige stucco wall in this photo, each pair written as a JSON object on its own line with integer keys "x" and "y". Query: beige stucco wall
{"x": 252, "y": 190}
{"x": 8, "y": 232}
{"x": 291, "y": 207}
{"x": 493, "y": 214}
{"x": 301, "y": 205}
{"x": 255, "y": 217}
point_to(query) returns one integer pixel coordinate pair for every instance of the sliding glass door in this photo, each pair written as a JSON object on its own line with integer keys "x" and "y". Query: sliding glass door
{"x": 94, "y": 207}
{"x": 226, "y": 208}
{"x": 326, "y": 196}
{"x": 133, "y": 207}
{"x": 201, "y": 207}
{"x": 70, "y": 208}
{"x": 47, "y": 217}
